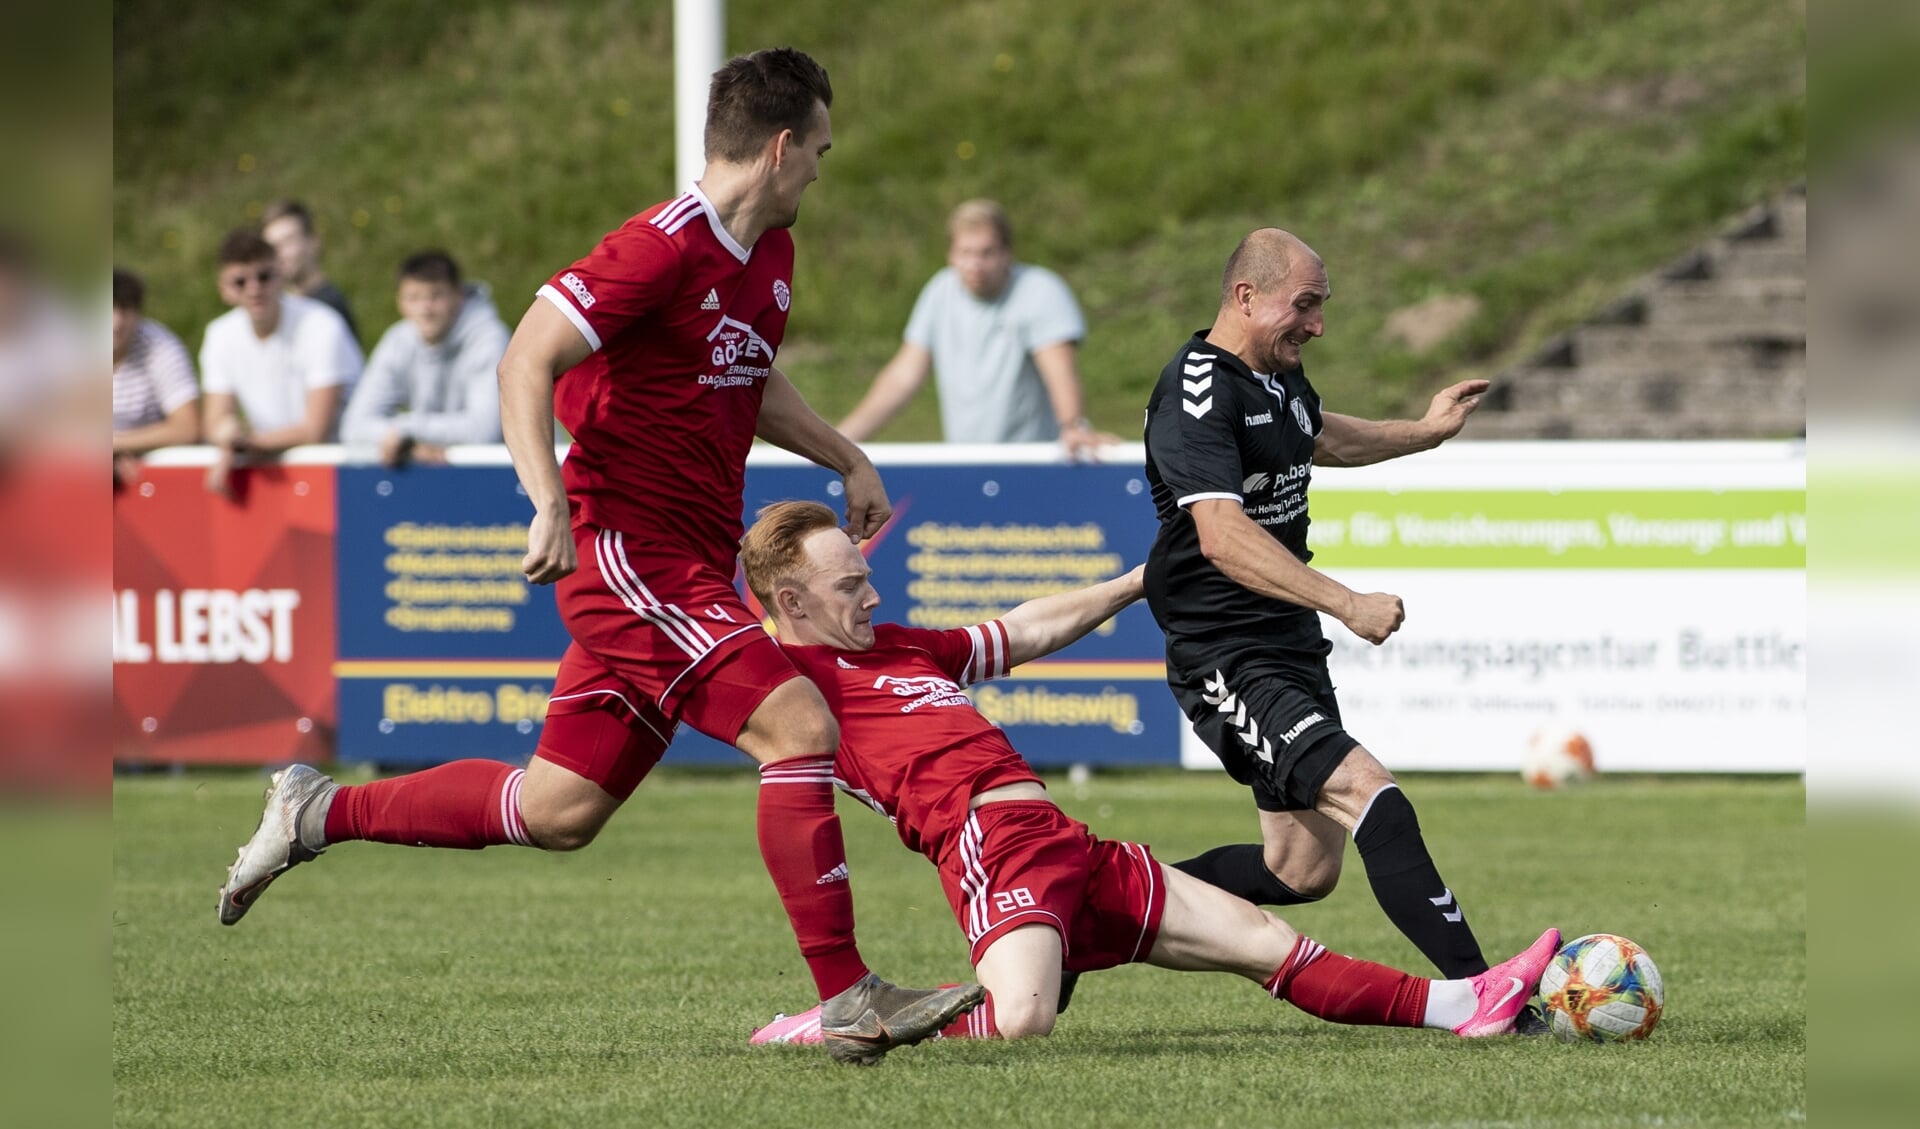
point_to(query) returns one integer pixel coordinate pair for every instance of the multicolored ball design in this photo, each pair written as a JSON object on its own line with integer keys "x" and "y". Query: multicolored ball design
{"x": 1601, "y": 989}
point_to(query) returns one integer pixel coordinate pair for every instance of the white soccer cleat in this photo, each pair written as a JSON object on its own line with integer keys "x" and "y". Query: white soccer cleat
{"x": 1503, "y": 990}
{"x": 275, "y": 845}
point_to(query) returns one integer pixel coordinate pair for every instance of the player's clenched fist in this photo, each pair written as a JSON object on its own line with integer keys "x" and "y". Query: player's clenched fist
{"x": 1375, "y": 616}
{"x": 867, "y": 505}
{"x": 550, "y": 553}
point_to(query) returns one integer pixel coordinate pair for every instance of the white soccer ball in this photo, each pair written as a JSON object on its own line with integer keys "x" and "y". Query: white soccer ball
{"x": 1556, "y": 757}
{"x": 1602, "y": 988}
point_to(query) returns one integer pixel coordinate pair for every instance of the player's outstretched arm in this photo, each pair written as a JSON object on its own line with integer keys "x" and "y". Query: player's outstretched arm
{"x": 1040, "y": 627}
{"x": 545, "y": 345}
{"x": 1251, "y": 558}
{"x": 1349, "y": 441}
{"x": 787, "y": 422}
{"x": 892, "y": 390}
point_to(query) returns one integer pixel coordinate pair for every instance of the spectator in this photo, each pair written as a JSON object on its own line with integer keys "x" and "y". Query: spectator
{"x": 431, "y": 381}
{"x": 156, "y": 398}
{"x": 288, "y": 225}
{"x": 285, "y": 362}
{"x": 1000, "y": 338}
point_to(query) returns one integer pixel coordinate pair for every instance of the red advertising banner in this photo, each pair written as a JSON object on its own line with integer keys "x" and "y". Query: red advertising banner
{"x": 223, "y": 617}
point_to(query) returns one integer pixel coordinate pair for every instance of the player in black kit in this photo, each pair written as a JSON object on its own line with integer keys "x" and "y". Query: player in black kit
{"x": 1233, "y": 433}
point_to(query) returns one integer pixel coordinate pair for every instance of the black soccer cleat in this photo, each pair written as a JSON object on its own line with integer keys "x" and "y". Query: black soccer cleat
{"x": 1530, "y": 1022}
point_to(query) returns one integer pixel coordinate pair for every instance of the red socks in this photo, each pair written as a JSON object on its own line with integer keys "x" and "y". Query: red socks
{"x": 1342, "y": 989}
{"x": 465, "y": 804}
{"x": 976, "y": 1024}
{"x": 801, "y": 845}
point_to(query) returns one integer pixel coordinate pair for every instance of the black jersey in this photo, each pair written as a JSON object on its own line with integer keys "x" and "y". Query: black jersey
{"x": 1217, "y": 429}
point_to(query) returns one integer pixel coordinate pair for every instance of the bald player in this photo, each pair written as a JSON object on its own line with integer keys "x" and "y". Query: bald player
{"x": 1233, "y": 433}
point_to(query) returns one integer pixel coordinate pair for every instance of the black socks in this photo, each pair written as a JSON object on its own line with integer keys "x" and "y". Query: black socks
{"x": 1241, "y": 870}
{"x": 1409, "y": 888}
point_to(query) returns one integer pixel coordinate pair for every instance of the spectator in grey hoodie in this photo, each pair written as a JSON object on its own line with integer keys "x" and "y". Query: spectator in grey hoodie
{"x": 430, "y": 381}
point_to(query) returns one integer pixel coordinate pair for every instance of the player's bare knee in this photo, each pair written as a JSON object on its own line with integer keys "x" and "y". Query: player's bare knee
{"x": 1024, "y": 1017}
{"x": 806, "y": 733}
{"x": 1312, "y": 876}
{"x": 568, "y": 831}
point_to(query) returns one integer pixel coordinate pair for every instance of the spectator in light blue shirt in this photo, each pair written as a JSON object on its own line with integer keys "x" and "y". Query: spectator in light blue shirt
{"x": 430, "y": 382}
{"x": 1000, "y": 337}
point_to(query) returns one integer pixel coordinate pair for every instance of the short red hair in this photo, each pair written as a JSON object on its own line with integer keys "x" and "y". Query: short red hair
{"x": 774, "y": 551}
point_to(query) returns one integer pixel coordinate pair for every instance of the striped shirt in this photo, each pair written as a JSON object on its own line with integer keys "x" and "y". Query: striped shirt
{"x": 153, "y": 380}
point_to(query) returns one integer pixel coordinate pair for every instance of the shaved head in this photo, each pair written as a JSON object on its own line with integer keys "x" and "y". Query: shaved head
{"x": 1266, "y": 258}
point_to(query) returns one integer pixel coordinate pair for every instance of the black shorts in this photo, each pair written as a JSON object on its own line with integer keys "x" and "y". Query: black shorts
{"x": 1269, "y": 715}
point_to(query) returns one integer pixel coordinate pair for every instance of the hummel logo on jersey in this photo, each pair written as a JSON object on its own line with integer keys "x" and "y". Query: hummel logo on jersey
{"x": 837, "y": 874}
{"x": 712, "y": 301}
{"x": 572, "y": 282}
{"x": 844, "y": 664}
{"x": 1263, "y": 417}
{"x": 1302, "y": 726}
{"x": 1196, "y": 388}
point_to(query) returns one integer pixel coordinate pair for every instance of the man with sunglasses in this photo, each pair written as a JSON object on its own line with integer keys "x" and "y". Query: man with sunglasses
{"x": 277, "y": 367}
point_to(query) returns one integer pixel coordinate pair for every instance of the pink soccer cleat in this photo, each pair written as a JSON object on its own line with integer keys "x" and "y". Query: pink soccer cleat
{"x": 1505, "y": 988}
{"x": 802, "y": 1028}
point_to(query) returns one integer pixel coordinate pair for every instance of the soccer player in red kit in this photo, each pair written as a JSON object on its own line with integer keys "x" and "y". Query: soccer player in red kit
{"x": 1032, "y": 889}
{"x": 656, "y": 351}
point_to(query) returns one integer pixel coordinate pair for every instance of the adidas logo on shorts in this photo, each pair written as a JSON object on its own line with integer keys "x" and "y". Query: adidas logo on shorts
{"x": 837, "y": 874}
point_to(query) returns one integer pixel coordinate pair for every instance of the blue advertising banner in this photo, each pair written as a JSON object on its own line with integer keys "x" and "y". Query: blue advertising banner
{"x": 446, "y": 652}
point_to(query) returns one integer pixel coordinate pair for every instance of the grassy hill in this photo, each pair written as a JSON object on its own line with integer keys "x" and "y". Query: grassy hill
{"x": 1534, "y": 154}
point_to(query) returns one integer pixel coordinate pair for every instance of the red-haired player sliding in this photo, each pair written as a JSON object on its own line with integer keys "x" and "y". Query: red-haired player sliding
{"x": 656, "y": 350}
{"x": 1033, "y": 889}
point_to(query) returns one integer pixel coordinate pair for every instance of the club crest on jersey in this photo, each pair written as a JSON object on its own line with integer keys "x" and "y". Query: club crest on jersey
{"x": 1300, "y": 415}
{"x": 782, "y": 297}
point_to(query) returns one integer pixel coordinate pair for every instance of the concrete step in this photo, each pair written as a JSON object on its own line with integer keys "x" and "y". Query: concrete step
{"x": 1610, "y": 391}
{"x": 1688, "y": 348}
{"x": 1780, "y": 303}
{"x": 1758, "y": 259}
{"x": 1565, "y": 425}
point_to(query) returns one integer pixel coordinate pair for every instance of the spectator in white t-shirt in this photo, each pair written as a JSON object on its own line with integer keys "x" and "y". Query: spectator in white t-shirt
{"x": 1000, "y": 338}
{"x": 276, "y": 367}
{"x": 156, "y": 397}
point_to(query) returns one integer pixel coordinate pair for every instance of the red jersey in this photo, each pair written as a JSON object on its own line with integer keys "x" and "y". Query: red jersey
{"x": 911, "y": 744}
{"x": 684, "y": 323}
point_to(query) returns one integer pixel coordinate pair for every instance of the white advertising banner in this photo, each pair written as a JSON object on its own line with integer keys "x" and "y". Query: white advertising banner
{"x": 1651, "y": 597}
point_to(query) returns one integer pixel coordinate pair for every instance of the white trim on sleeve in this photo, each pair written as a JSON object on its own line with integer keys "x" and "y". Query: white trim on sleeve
{"x": 1192, "y": 498}
{"x": 567, "y": 307}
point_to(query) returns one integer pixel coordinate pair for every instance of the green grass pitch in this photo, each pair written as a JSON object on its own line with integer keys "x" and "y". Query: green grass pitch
{"x": 617, "y": 986}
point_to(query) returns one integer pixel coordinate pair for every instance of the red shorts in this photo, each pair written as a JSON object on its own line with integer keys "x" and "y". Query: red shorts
{"x": 1025, "y": 862}
{"x": 656, "y": 641}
